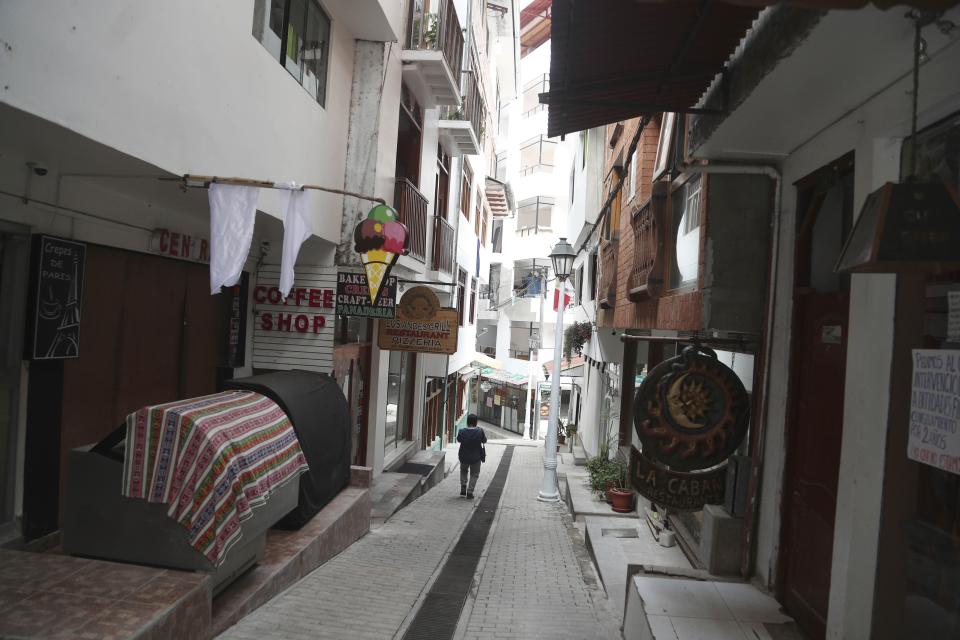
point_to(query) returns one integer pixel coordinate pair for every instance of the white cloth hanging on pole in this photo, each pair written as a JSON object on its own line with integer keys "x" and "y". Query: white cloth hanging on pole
{"x": 233, "y": 210}
{"x": 296, "y": 229}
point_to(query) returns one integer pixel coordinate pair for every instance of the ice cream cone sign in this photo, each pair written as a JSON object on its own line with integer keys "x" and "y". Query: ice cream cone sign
{"x": 379, "y": 239}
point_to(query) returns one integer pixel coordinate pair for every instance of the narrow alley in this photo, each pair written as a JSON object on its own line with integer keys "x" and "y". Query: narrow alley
{"x": 530, "y": 581}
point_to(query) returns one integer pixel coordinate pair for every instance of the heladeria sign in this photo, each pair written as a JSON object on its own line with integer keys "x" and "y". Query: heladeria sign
{"x": 353, "y": 296}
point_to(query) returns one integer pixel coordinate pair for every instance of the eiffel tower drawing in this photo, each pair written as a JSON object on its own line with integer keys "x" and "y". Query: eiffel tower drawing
{"x": 68, "y": 333}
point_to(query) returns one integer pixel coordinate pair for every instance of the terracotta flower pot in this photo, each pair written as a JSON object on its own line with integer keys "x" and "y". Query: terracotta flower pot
{"x": 607, "y": 493}
{"x": 621, "y": 499}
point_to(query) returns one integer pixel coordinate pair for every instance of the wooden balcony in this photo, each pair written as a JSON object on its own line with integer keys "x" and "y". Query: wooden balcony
{"x": 646, "y": 273}
{"x": 433, "y": 52}
{"x": 608, "y": 273}
{"x": 412, "y": 207}
{"x": 443, "y": 246}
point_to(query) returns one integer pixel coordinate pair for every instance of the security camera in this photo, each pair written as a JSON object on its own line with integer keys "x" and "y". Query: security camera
{"x": 38, "y": 168}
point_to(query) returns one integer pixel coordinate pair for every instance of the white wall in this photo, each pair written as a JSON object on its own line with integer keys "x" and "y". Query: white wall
{"x": 874, "y": 131}
{"x": 184, "y": 86}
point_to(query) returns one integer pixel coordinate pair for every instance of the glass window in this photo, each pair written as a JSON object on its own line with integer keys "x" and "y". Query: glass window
{"x": 461, "y": 295}
{"x": 297, "y": 34}
{"x": 473, "y": 300}
{"x": 394, "y": 384}
{"x": 537, "y": 154}
{"x": 534, "y": 215}
{"x": 686, "y": 230}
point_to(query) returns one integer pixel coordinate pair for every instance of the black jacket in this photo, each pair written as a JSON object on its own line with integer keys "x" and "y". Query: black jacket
{"x": 471, "y": 441}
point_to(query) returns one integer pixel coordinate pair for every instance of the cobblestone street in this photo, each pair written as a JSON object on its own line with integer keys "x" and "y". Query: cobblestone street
{"x": 532, "y": 580}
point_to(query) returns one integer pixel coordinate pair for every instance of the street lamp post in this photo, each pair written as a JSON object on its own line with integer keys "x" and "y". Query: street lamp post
{"x": 562, "y": 257}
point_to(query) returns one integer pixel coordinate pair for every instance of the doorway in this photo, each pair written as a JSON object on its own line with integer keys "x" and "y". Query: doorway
{"x": 351, "y": 368}
{"x": 815, "y": 423}
{"x": 14, "y": 264}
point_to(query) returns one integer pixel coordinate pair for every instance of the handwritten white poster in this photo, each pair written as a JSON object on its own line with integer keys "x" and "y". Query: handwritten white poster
{"x": 935, "y": 409}
{"x": 953, "y": 316}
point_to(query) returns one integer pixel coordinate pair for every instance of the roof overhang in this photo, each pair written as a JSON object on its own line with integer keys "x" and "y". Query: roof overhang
{"x": 619, "y": 59}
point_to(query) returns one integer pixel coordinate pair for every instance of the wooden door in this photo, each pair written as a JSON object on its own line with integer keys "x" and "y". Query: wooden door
{"x": 818, "y": 377}
{"x": 351, "y": 368}
{"x": 815, "y": 437}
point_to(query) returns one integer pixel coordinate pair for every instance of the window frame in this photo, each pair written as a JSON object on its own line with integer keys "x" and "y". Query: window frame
{"x": 262, "y": 14}
{"x": 466, "y": 188}
{"x": 473, "y": 300}
{"x": 461, "y": 295}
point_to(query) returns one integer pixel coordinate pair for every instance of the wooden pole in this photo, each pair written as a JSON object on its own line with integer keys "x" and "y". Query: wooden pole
{"x": 267, "y": 184}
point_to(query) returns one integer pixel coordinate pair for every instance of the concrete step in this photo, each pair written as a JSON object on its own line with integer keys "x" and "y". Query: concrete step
{"x": 665, "y": 607}
{"x": 393, "y": 490}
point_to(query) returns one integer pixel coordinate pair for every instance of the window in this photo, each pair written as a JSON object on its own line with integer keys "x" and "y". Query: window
{"x": 496, "y": 239}
{"x": 633, "y": 174}
{"x": 592, "y": 291}
{"x": 473, "y": 300}
{"x": 686, "y": 208}
{"x": 528, "y": 277}
{"x": 477, "y": 214}
{"x": 536, "y": 154}
{"x": 534, "y": 215}
{"x": 501, "y": 170}
{"x": 531, "y": 95}
{"x": 297, "y": 34}
{"x": 578, "y": 286}
{"x": 461, "y": 295}
{"x": 465, "y": 190}
{"x": 483, "y": 227}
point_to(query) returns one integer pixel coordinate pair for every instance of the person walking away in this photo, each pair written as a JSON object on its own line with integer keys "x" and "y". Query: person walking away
{"x": 472, "y": 454}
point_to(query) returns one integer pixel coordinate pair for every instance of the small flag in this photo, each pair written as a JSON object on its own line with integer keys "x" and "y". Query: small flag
{"x": 567, "y": 295}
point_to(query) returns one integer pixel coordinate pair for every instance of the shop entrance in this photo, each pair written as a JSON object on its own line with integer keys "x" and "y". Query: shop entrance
{"x": 351, "y": 368}
{"x": 14, "y": 260}
{"x": 815, "y": 427}
{"x": 150, "y": 333}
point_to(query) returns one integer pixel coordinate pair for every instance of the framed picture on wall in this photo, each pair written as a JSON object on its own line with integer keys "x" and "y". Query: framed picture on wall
{"x": 664, "y": 145}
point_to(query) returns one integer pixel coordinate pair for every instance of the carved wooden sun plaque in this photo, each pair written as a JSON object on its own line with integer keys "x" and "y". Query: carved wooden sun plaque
{"x": 692, "y": 411}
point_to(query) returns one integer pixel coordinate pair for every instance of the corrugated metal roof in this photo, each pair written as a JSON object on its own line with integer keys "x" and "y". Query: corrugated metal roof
{"x": 618, "y": 59}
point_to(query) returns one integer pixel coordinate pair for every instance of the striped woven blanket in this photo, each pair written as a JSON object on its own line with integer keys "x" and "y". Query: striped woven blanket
{"x": 212, "y": 459}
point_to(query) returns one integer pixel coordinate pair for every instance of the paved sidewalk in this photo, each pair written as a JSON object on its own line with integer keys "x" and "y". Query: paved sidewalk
{"x": 536, "y": 580}
{"x": 371, "y": 590}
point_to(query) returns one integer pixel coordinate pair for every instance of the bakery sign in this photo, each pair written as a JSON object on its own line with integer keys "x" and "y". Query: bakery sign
{"x": 296, "y": 332}
{"x": 421, "y": 325}
{"x": 353, "y": 296}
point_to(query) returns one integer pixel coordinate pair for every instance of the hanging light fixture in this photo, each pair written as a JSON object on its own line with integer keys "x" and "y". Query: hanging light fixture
{"x": 913, "y": 226}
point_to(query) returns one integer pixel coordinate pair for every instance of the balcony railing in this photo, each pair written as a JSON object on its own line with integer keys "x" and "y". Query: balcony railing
{"x": 473, "y": 110}
{"x": 412, "y": 207}
{"x": 437, "y": 31}
{"x": 644, "y": 228}
{"x": 608, "y": 274}
{"x": 443, "y": 246}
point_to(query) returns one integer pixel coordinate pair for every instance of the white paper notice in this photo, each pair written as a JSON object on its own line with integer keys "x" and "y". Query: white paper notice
{"x": 953, "y": 316}
{"x": 935, "y": 409}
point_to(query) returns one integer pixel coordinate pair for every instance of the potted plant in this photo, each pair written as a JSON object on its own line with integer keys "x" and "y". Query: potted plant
{"x": 561, "y": 434}
{"x": 575, "y": 336}
{"x": 571, "y": 431}
{"x": 621, "y": 498}
{"x": 430, "y": 36}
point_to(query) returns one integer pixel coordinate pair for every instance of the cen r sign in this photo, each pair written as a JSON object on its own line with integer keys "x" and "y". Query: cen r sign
{"x": 177, "y": 244}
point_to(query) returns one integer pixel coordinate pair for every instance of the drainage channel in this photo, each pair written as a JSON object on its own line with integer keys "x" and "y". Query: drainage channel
{"x": 438, "y": 616}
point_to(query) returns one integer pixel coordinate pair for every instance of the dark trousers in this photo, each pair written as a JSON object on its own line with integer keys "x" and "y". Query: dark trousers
{"x": 474, "y": 469}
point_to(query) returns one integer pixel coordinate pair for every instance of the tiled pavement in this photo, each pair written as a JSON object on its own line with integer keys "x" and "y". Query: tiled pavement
{"x": 529, "y": 584}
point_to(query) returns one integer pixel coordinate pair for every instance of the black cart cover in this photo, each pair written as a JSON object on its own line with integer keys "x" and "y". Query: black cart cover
{"x": 321, "y": 418}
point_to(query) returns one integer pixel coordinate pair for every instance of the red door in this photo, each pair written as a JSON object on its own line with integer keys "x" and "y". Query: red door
{"x": 816, "y": 431}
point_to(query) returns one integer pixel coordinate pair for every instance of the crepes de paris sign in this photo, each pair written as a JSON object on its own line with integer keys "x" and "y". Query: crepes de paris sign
{"x": 421, "y": 325}
{"x": 691, "y": 413}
